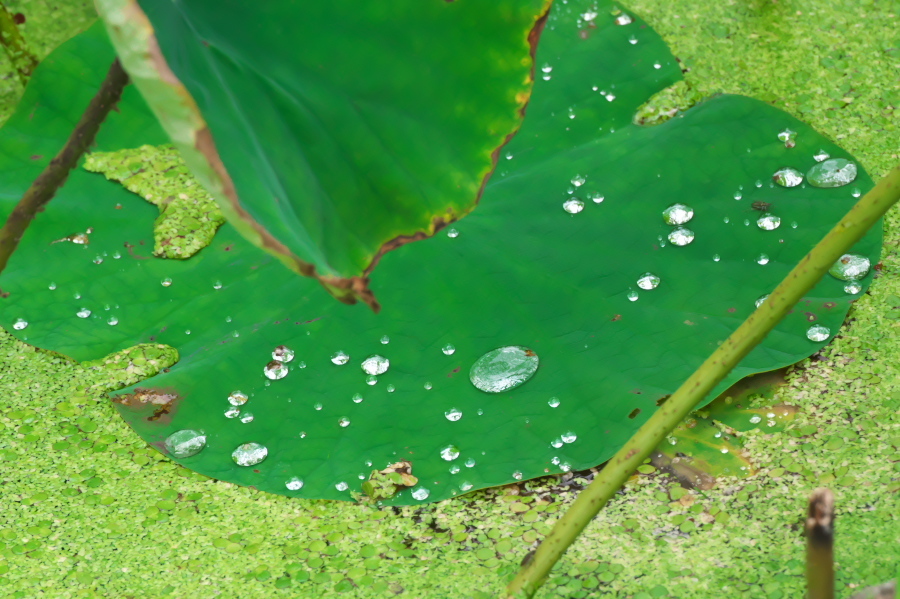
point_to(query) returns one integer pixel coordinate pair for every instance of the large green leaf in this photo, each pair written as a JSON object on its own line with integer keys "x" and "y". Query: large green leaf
{"x": 520, "y": 270}
{"x": 339, "y": 130}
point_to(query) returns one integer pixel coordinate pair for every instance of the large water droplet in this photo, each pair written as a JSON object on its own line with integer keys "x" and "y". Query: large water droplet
{"x": 283, "y": 353}
{"x": 573, "y": 206}
{"x": 503, "y": 368}
{"x": 83, "y": 313}
{"x": 453, "y": 414}
{"x": 249, "y": 454}
{"x": 648, "y": 280}
{"x": 836, "y": 172}
{"x": 678, "y": 214}
{"x": 340, "y": 358}
{"x": 294, "y": 484}
{"x": 20, "y": 324}
{"x": 818, "y": 333}
{"x": 768, "y": 222}
{"x": 275, "y": 370}
{"x": 237, "y": 398}
{"x": 376, "y": 365}
{"x": 420, "y": 493}
{"x": 681, "y": 236}
{"x": 450, "y": 453}
{"x": 850, "y": 267}
{"x": 788, "y": 177}
{"x": 448, "y": 350}
{"x": 185, "y": 443}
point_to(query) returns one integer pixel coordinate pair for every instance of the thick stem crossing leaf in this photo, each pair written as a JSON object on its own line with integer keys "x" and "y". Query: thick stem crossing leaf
{"x": 575, "y": 289}
{"x": 339, "y": 130}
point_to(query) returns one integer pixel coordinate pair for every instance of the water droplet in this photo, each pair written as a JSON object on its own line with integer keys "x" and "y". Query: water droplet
{"x": 836, "y": 172}
{"x": 340, "y": 358}
{"x": 294, "y": 484}
{"x": 420, "y": 493}
{"x": 237, "y": 398}
{"x": 656, "y": 65}
{"x": 185, "y": 443}
{"x": 385, "y": 340}
{"x": 342, "y": 486}
{"x": 632, "y": 40}
{"x": 557, "y": 443}
{"x": 716, "y": 257}
{"x": 503, "y": 368}
{"x": 357, "y": 398}
{"x": 573, "y": 206}
{"x": 756, "y": 419}
{"x": 787, "y": 136}
{"x": 818, "y": 333}
{"x": 565, "y": 466}
{"x": 554, "y": 460}
{"x": 52, "y": 286}
{"x": 648, "y": 281}
{"x": 98, "y": 260}
{"x": 448, "y": 350}
{"x": 453, "y": 414}
{"x": 302, "y": 434}
{"x": 83, "y": 313}
{"x": 450, "y": 453}
{"x": 596, "y": 198}
{"x": 227, "y": 319}
{"x": 624, "y": 19}
{"x": 568, "y": 437}
{"x": 788, "y": 177}
{"x": 112, "y": 321}
{"x": 391, "y": 388}
{"x": 470, "y": 463}
{"x": 852, "y": 288}
{"x": 249, "y": 454}
{"x": 166, "y": 282}
{"x": 546, "y": 68}
{"x": 20, "y": 324}
{"x": 371, "y": 379}
{"x": 283, "y": 354}
{"x": 232, "y": 412}
{"x": 610, "y": 97}
{"x": 762, "y": 259}
{"x": 517, "y": 475}
{"x": 746, "y": 222}
{"x": 480, "y": 412}
{"x": 301, "y": 365}
{"x": 794, "y": 224}
{"x": 821, "y": 155}
{"x": 578, "y": 180}
{"x": 376, "y": 365}
{"x": 247, "y": 418}
{"x": 317, "y": 406}
{"x": 275, "y": 370}
{"x": 726, "y": 220}
{"x": 428, "y": 386}
{"x": 738, "y": 195}
{"x": 678, "y": 214}
{"x": 553, "y": 402}
{"x": 768, "y": 222}
{"x": 465, "y": 486}
{"x": 681, "y": 236}
{"x": 452, "y": 233}
{"x": 759, "y": 302}
{"x": 116, "y": 255}
{"x": 217, "y": 285}
{"x": 454, "y": 469}
{"x": 856, "y": 192}
{"x": 632, "y": 295}
{"x": 850, "y": 267}
{"x": 344, "y": 422}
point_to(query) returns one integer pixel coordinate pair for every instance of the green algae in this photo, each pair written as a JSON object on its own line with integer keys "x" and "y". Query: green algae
{"x": 91, "y": 511}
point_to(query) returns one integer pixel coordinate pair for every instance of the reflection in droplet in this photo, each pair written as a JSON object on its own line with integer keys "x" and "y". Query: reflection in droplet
{"x": 453, "y": 414}
{"x": 681, "y": 236}
{"x": 275, "y": 370}
{"x": 850, "y": 267}
{"x": 420, "y": 493}
{"x": 448, "y": 350}
{"x": 83, "y": 313}
{"x": 761, "y": 300}
{"x": 376, "y": 365}
{"x": 340, "y": 358}
{"x": 835, "y": 172}
{"x": 450, "y": 453}
{"x": 553, "y": 402}
{"x": 573, "y": 206}
{"x": 768, "y": 222}
{"x": 342, "y": 486}
{"x": 344, "y": 422}
{"x": 185, "y": 443}
{"x": 503, "y": 368}
{"x": 818, "y": 333}
{"x": 568, "y": 437}
{"x": 98, "y": 260}
{"x": 282, "y": 353}
{"x": 788, "y": 177}
{"x": 294, "y": 484}
{"x": 249, "y": 454}
{"x": 762, "y": 259}
{"x": 166, "y": 282}
{"x": 20, "y": 324}
{"x": 648, "y": 280}
{"x": 632, "y": 295}
{"x": 678, "y": 214}
{"x": 237, "y": 398}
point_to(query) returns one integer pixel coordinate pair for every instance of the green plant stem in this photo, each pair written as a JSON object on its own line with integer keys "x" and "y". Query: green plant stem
{"x": 820, "y": 545}
{"x": 21, "y": 57}
{"x": 798, "y": 282}
{"x": 54, "y": 175}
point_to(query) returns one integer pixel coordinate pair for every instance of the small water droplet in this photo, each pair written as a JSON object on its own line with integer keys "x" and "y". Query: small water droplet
{"x": 768, "y": 222}
{"x": 546, "y": 68}
{"x": 166, "y": 282}
{"x": 470, "y": 463}
{"x": 185, "y": 443}
{"x": 391, "y": 388}
{"x": 420, "y": 493}
{"x": 480, "y": 412}
{"x": 726, "y": 220}
{"x": 342, "y": 486}
{"x": 787, "y": 136}
{"x": 275, "y": 370}
{"x": 357, "y": 398}
{"x": 794, "y": 224}
{"x": 557, "y": 443}
{"x": 452, "y": 233}
{"x": 83, "y": 313}
{"x": 52, "y": 286}
{"x": 856, "y": 192}
{"x": 762, "y": 259}
{"x": 340, "y": 358}
{"x": 746, "y": 222}
{"x": 648, "y": 281}
{"x": 317, "y": 406}
{"x": 376, "y": 365}
{"x": 656, "y": 65}
{"x": 596, "y": 198}
{"x": 738, "y": 195}
{"x": 282, "y": 353}
{"x": 624, "y": 19}
{"x": 758, "y": 183}
{"x": 835, "y": 172}
{"x": 294, "y": 484}
{"x": 371, "y": 379}
{"x": 565, "y": 466}
{"x": 112, "y": 321}
{"x": 756, "y": 419}
{"x": 759, "y": 302}
{"x": 20, "y": 324}
{"x": 517, "y": 475}
{"x": 852, "y": 288}
{"x": 302, "y": 434}
{"x": 632, "y": 40}
{"x": 818, "y": 333}
{"x": 448, "y": 350}
{"x": 850, "y": 267}
{"x": 573, "y": 206}
{"x": 344, "y": 422}
{"x": 681, "y": 236}
{"x": 454, "y": 469}
{"x": 217, "y": 285}
{"x": 724, "y": 450}
{"x": 428, "y": 386}
{"x": 568, "y": 437}
{"x": 465, "y": 486}
{"x": 232, "y": 412}
{"x": 237, "y": 398}
{"x": 98, "y": 260}
{"x": 301, "y": 365}
{"x": 821, "y": 155}
{"x": 247, "y": 418}
{"x": 632, "y": 295}
{"x": 578, "y": 180}
{"x": 716, "y": 257}
{"x": 453, "y": 414}
{"x": 450, "y": 453}
{"x": 249, "y": 454}
{"x": 385, "y": 340}
{"x": 553, "y": 402}
{"x": 788, "y": 177}
{"x": 678, "y": 214}
{"x": 116, "y": 255}
{"x": 503, "y": 368}
{"x": 610, "y": 97}
{"x": 227, "y": 319}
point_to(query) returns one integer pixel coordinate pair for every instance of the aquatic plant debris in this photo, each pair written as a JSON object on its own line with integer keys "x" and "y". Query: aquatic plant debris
{"x": 498, "y": 287}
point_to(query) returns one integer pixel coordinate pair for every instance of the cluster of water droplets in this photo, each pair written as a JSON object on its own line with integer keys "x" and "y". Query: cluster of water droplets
{"x": 277, "y": 368}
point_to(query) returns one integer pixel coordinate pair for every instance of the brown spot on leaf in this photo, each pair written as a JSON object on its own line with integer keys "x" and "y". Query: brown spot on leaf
{"x": 634, "y": 413}
{"x": 161, "y": 401}
{"x": 19, "y": 18}
{"x": 616, "y": 317}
